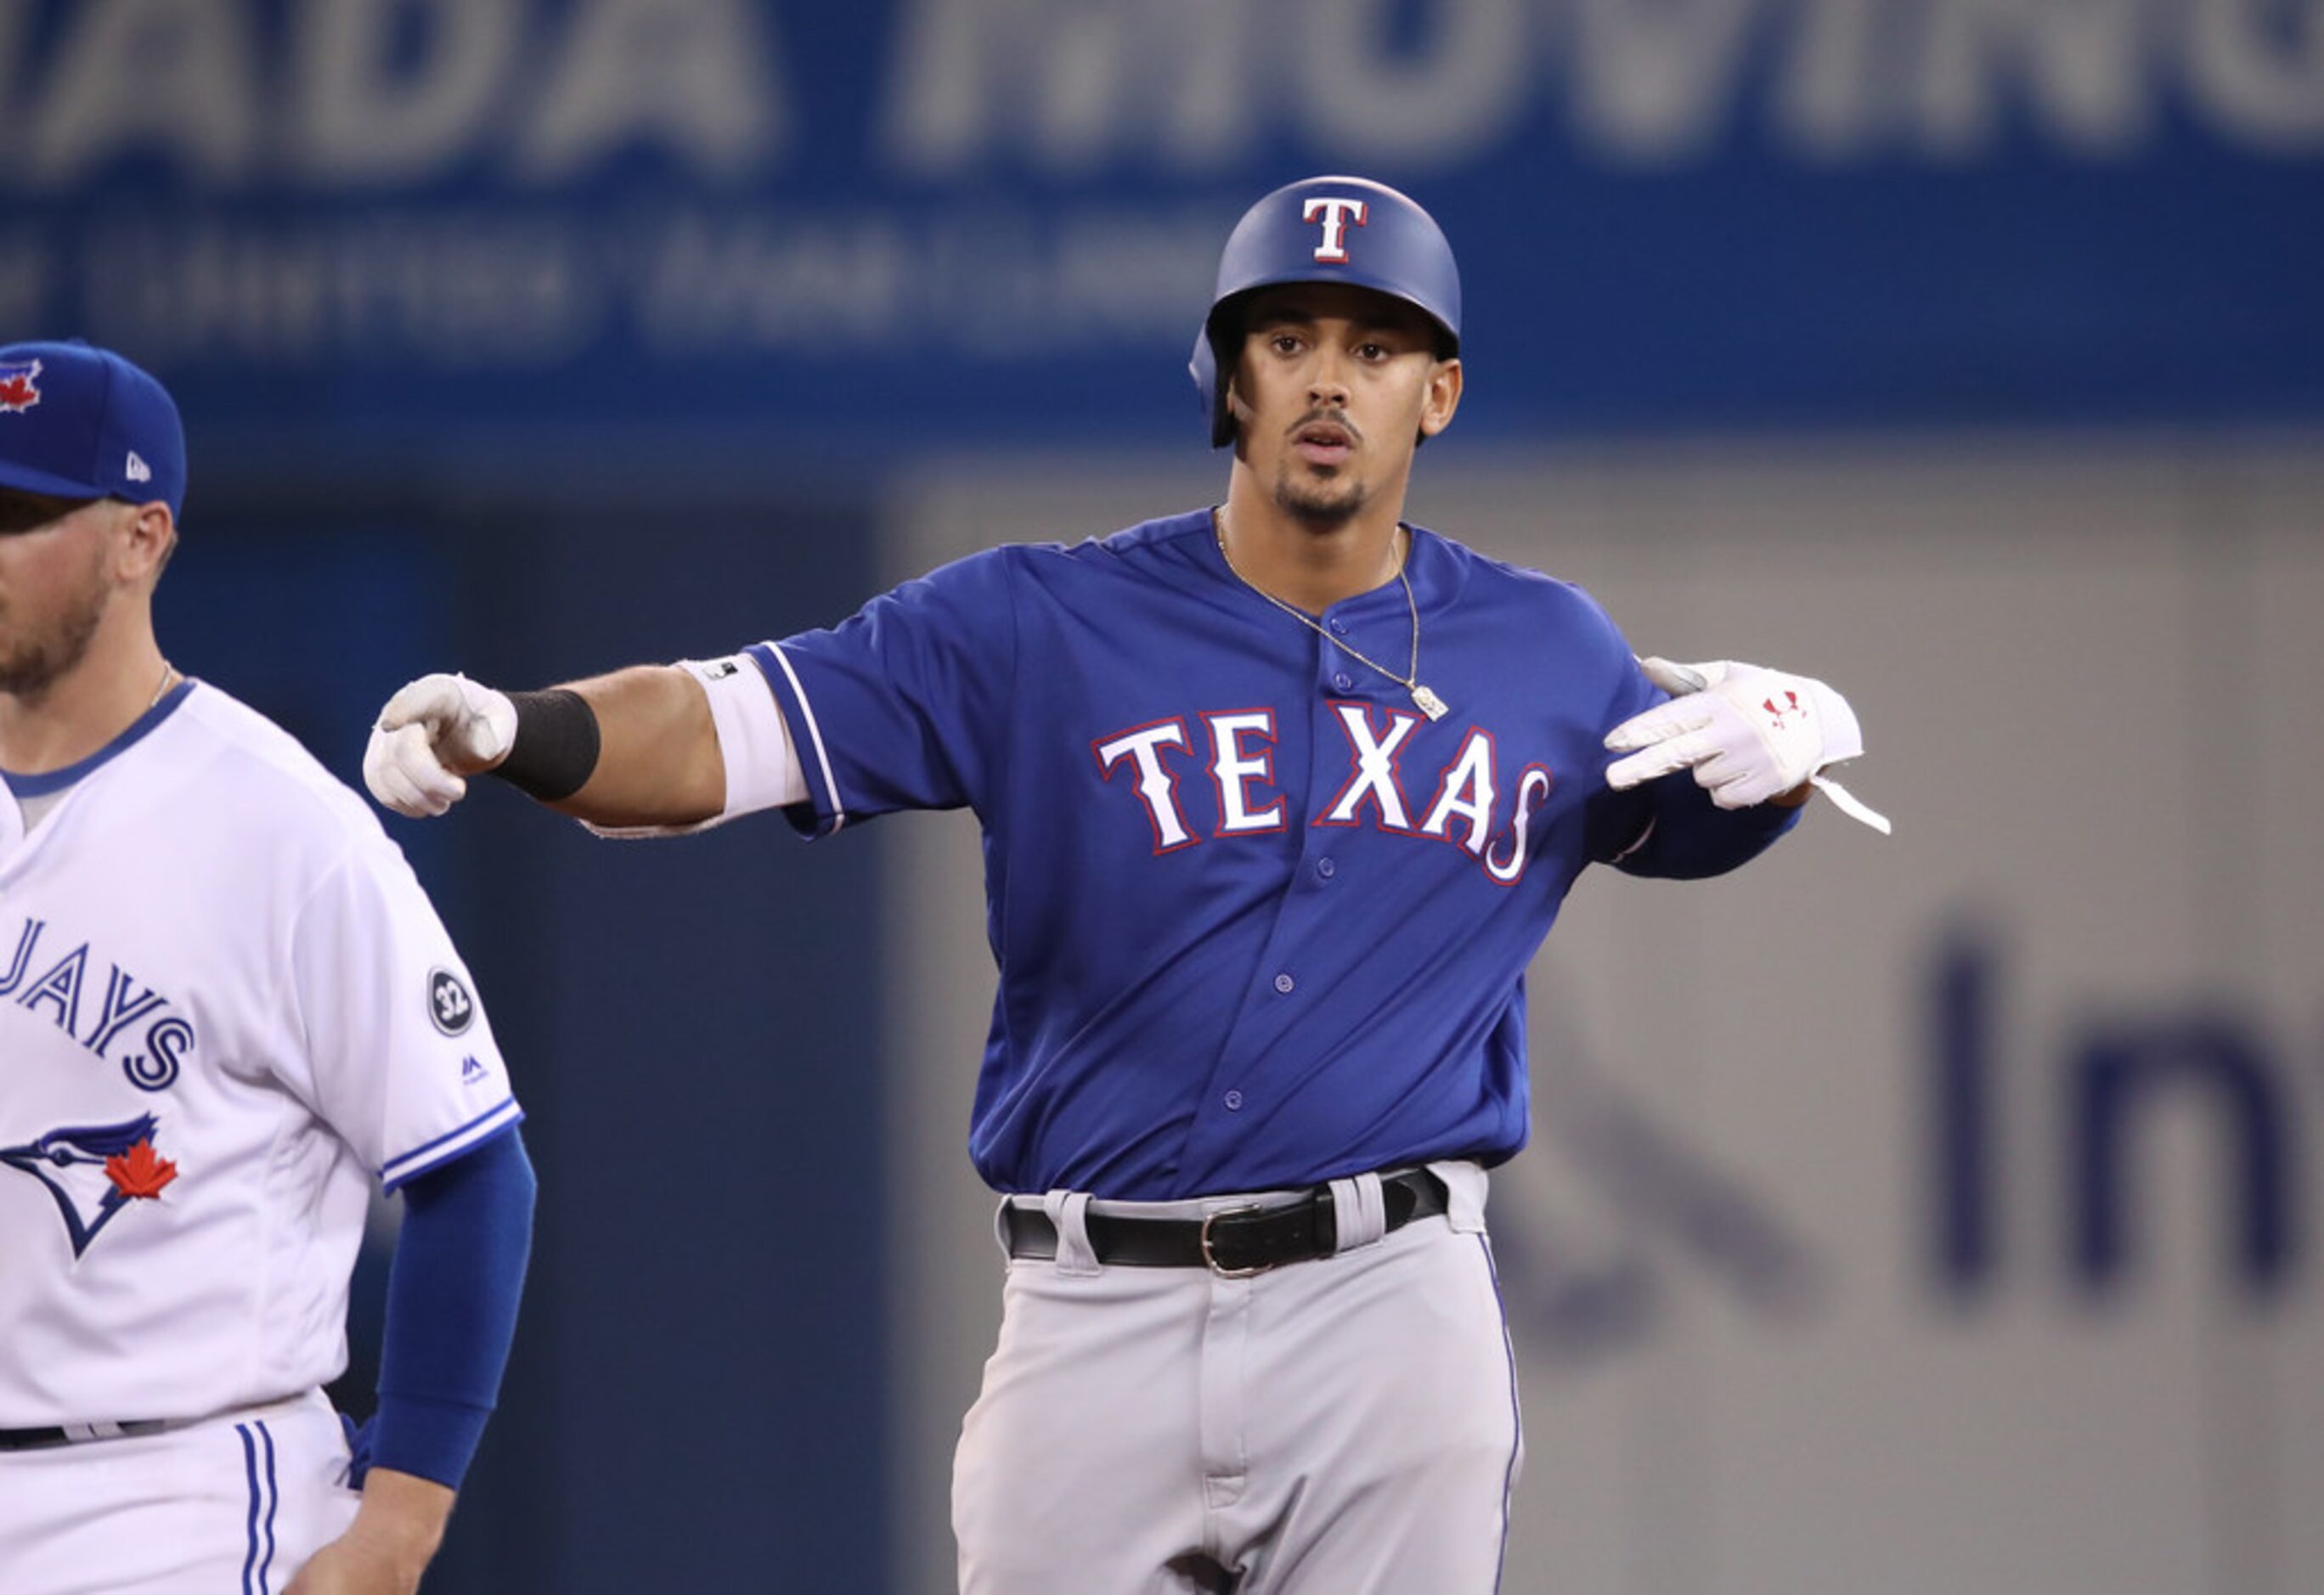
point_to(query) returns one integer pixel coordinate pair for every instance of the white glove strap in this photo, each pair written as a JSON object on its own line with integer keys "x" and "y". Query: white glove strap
{"x": 1843, "y": 738}
{"x": 1848, "y": 804}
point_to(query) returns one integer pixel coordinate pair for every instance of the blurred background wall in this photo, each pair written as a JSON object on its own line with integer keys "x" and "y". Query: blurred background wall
{"x": 1930, "y": 1216}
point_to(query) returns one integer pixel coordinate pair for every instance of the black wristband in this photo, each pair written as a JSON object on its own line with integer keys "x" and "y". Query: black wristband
{"x": 555, "y": 750}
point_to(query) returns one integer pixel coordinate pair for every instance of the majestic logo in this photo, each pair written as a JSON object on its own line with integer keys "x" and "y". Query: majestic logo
{"x": 471, "y": 1071}
{"x": 450, "y": 1007}
{"x": 1336, "y": 214}
{"x": 17, "y": 392}
{"x": 93, "y": 1171}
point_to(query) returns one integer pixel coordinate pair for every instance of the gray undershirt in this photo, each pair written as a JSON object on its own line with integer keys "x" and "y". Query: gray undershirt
{"x": 32, "y": 808}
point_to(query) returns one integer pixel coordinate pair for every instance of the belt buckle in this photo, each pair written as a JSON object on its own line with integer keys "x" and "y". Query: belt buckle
{"x": 1210, "y": 1257}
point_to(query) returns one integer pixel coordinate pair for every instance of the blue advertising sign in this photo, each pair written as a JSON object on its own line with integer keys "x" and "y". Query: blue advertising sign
{"x": 904, "y": 223}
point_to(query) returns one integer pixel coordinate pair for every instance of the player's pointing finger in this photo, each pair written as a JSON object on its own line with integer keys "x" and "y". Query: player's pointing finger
{"x": 1659, "y": 724}
{"x": 1658, "y": 759}
{"x": 430, "y": 700}
{"x": 1675, "y": 679}
{"x": 402, "y": 772}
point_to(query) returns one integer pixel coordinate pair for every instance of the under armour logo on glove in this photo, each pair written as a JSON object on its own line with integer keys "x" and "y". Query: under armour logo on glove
{"x": 1749, "y": 734}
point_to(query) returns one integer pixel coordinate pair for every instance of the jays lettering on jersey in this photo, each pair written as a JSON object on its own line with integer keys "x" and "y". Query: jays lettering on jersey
{"x": 226, "y": 1007}
{"x": 1258, "y": 921}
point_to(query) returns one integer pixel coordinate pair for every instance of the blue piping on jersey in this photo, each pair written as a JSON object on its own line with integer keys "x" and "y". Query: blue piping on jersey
{"x": 57, "y": 781}
{"x": 761, "y": 654}
{"x": 425, "y": 1157}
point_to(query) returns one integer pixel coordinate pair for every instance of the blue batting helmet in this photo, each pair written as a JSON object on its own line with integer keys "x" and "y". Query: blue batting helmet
{"x": 1326, "y": 229}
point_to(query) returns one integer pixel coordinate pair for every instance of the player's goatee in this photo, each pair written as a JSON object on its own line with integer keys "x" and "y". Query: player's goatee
{"x": 1320, "y": 503}
{"x": 30, "y": 666}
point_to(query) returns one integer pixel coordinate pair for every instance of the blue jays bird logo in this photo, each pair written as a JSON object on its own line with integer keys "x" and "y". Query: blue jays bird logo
{"x": 16, "y": 390}
{"x": 93, "y": 1171}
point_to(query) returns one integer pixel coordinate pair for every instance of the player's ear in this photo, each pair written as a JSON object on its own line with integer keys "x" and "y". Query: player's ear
{"x": 149, "y": 534}
{"x": 1441, "y": 398}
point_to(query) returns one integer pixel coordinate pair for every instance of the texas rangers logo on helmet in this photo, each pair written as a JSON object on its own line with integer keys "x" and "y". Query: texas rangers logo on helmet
{"x": 17, "y": 390}
{"x": 1335, "y": 214}
{"x": 93, "y": 1171}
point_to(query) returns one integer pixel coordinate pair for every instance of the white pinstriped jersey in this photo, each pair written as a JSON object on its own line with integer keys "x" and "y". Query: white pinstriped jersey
{"x": 227, "y": 1008}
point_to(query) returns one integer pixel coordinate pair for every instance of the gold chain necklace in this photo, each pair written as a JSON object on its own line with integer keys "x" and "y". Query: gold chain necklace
{"x": 1427, "y": 702}
{"x": 169, "y": 674}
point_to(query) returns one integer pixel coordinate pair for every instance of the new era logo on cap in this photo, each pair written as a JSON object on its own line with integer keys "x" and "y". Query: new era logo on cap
{"x": 80, "y": 422}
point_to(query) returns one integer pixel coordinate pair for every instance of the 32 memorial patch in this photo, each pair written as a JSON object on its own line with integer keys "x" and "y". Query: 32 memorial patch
{"x": 450, "y": 1007}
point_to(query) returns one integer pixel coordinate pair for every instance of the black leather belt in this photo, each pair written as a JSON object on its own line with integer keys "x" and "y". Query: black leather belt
{"x": 38, "y": 1439}
{"x": 1236, "y": 1242}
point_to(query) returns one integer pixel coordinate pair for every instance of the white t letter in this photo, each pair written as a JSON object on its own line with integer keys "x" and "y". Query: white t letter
{"x": 1157, "y": 787}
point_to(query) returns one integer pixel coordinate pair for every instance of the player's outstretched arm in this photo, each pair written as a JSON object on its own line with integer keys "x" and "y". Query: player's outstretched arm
{"x": 634, "y": 749}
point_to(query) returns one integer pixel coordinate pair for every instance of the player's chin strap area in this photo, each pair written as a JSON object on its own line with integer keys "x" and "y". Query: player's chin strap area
{"x": 1236, "y": 1242}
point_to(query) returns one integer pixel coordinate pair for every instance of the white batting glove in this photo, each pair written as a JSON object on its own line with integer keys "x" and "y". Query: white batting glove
{"x": 1749, "y": 734}
{"x": 433, "y": 734}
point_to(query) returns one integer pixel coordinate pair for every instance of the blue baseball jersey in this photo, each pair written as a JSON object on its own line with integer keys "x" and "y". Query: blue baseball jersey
{"x": 1258, "y": 921}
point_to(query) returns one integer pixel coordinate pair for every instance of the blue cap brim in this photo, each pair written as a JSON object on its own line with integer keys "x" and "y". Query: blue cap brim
{"x": 25, "y": 479}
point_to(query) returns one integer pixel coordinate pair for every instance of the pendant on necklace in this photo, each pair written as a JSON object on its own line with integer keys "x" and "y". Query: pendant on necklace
{"x": 1430, "y": 703}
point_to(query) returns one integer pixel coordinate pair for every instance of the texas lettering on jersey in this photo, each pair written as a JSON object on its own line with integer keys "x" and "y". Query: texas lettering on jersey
{"x": 94, "y": 999}
{"x": 1472, "y": 803}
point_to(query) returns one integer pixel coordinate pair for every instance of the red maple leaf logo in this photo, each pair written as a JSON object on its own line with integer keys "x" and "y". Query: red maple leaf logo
{"x": 140, "y": 1172}
{"x": 17, "y": 393}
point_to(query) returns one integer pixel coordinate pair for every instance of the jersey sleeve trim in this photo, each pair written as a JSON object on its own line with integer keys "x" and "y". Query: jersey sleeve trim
{"x": 823, "y": 790}
{"x": 451, "y": 1144}
{"x": 1645, "y": 832}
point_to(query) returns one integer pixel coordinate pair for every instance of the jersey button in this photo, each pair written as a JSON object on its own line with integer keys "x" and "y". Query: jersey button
{"x": 1233, "y": 1100}
{"x": 1327, "y": 868}
{"x": 1284, "y": 982}
{"x": 1340, "y": 627}
{"x": 1343, "y": 681}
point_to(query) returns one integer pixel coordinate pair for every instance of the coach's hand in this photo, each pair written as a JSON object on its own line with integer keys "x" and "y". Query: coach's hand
{"x": 433, "y": 734}
{"x": 389, "y": 1543}
{"x": 1749, "y": 734}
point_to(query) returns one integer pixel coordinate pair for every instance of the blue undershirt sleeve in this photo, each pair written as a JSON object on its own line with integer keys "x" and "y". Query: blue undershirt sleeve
{"x": 452, "y": 1294}
{"x": 1690, "y": 837}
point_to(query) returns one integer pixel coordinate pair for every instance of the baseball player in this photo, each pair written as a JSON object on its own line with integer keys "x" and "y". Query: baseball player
{"x": 1279, "y": 797}
{"x": 225, "y": 1009}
